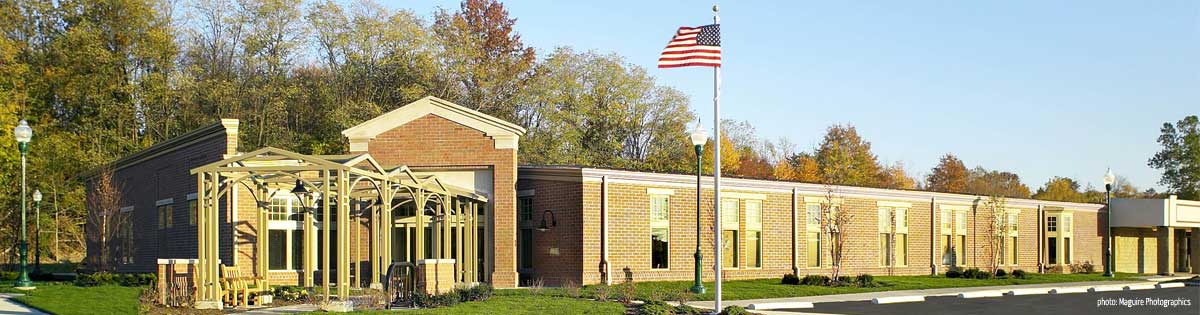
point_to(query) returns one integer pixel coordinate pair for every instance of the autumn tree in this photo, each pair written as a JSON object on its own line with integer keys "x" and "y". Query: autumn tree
{"x": 895, "y": 177}
{"x": 985, "y": 182}
{"x": 844, "y": 158}
{"x": 1179, "y": 157}
{"x": 995, "y": 208}
{"x": 834, "y": 224}
{"x": 801, "y": 167}
{"x": 1060, "y": 189}
{"x": 484, "y": 57}
{"x": 950, "y": 175}
{"x": 104, "y": 220}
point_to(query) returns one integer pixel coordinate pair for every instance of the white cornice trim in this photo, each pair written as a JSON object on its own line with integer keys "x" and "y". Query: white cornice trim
{"x": 759, "y": 185}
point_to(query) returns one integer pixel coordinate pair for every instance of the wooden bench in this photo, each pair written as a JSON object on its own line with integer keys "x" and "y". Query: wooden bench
{"x": 240, "y": 287}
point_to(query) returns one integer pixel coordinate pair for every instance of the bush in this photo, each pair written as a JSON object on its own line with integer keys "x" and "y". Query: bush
{"x": 8, "y": 275}
{"x": 1084, "y": 267}
{"x": 815, "y": 280}
{"x": 791, "y": 278}
{"x": 289, "y": 293}
{"x": 601, "y": 292}
{"x": 1000, "y": 273}
{"x": 1019, "y": 274}
{"x": 430, "y": 301}
{"x": 480, "y": 292}
{"x": 734, "y": 310}
{"x": 953, "y": 274}
{"x": 983, "y": 275}
{"x": 865, "y": 280}
{"x": 126, "y": 279}
{"x": 684, "y": 309}
{"x": 842, "y": 280}
{"x": 975, "y": 273}
{"x": 626, "y": 292}
{"x": 655, "y": 308}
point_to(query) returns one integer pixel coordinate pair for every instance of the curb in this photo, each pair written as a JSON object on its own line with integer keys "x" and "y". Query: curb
{"x": 1028, "y": 291}
{"x": 1169, "y": 285}
{"x": 898, "y": 299}
{"x": 1139, "y": 287}
{"x": 980, "y": 294}
{"x": 779, "y": 305}
{"x": 1070, "y": 290}
{"x": 1104, "y": 289}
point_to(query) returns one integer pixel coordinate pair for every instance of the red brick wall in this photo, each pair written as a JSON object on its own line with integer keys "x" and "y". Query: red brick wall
{"x": 161, "y": 173}
{"x": 433, "y": 141}
{"x": 565, "y": 201}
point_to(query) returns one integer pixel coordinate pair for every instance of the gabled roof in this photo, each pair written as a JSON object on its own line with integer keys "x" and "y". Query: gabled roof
{"x": 502, "y": 131}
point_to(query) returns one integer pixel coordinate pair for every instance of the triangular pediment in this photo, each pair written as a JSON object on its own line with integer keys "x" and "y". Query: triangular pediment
{"x": 504, "y": 133}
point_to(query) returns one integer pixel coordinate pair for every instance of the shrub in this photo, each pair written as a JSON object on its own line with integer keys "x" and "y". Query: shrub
{"x": 480, "y": 292}
{"x": 126, "y": 279}
{"x": 953, "y": 274}
{"x": 684, "y": 309}
{"x": 682, "y": 297}
{"x": 571, "y": 289}
{"x": 842, "y": 280}
{"x": 290, "y": 293}
{"x": 1084, "y": 267}
{"x": 655, "y": 308}
{"x": 626, "y": 292}
{"x": 421, "y": 299}
{"x": 865, "y": 280}
{"x": 975, "y": 273}
{"x": 1000, "y": 273}
{"x": 8, "y": 275}
{"x": 734, "y": 310}
{"x": 815, "y": 280}
{"x": 791, "y": 278}
{"x": 983, "y": 275}
{"x": 601, "y": 292}
{"x": 1019, "y": 274}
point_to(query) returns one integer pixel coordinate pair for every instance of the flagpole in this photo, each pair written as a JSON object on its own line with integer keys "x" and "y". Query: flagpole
{"x": 717, "y": 178}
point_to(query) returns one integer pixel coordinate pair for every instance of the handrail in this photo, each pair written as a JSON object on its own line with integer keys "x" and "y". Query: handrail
{"x": 401, "y": 284}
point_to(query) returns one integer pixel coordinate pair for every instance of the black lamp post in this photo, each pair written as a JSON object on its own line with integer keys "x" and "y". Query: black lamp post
{"x": 1109, "y": 179}
{"x": 23, "y": 134}
{"x": 698, "y": 137}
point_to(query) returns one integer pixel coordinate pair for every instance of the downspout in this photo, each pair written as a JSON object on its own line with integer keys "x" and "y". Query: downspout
{"x": 933, "y": 233}
{"x": 795, "y": 268}
{"x": 1040, "y": 237}
{"x": 605, "y": 271}
{"x": 975, "y": 231}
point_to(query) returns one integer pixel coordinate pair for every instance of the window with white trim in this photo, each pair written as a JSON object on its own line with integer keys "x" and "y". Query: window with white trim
{"x": 754, "y": 233}
{"x": 660, "y": 232}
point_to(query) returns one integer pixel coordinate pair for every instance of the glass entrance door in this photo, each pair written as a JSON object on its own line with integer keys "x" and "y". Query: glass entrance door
{"x": 1183, "y": 248}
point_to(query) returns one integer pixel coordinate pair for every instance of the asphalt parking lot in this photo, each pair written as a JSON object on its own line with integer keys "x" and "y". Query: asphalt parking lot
{"x": 1121, "y": 302}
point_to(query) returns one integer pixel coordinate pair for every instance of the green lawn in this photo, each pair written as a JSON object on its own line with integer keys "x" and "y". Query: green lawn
{"x": 772, "y": 288}
{"x": 66, "y": 298}
{"x": 520, "y": 304}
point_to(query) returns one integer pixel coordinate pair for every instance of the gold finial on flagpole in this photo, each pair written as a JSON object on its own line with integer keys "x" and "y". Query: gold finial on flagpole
{"x": 715, "y": 9}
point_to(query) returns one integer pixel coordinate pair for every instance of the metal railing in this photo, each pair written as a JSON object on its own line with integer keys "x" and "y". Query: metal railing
{"x": 401, "y": 284}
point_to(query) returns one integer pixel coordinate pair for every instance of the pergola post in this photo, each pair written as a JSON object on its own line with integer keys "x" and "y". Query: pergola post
{"x": 343, "y": 209}
{"x": 419, "y": 210}
{"x": 309, "y": 230}
{"x": 202, "y": 262}
{"x": 263, "y": 258}
{"x": 325, "y": 226}
{"x": 373, "y": 241}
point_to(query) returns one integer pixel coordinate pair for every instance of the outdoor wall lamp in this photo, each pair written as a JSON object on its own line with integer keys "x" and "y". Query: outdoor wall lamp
{"x": 553, "y": 222}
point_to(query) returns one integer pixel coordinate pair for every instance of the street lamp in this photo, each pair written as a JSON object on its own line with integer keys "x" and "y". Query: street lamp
{"x": 23, "y": 134}
{"x": 37, "y": 240}
{"x": 1109, "y": 179}
{"x": 698, "y": 137}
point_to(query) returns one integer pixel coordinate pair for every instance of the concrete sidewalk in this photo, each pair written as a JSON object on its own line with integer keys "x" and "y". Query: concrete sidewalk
{"x": 925, "y": 292}
{"x": 8, "y": 306}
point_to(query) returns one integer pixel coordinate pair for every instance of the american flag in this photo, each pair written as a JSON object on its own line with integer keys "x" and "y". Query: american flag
{"x": 693, "y": 46}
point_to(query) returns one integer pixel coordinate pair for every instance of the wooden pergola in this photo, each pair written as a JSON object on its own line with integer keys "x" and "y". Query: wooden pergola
{"x": 338, "y": 189}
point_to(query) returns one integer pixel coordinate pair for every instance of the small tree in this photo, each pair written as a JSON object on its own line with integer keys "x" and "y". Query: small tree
{"x": 997, "y": 228}
{"x": 104, "y": 219}
{"x": 833, "y": 224}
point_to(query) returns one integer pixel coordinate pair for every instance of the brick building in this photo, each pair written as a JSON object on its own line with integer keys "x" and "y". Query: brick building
{"x": 549, "y": 223}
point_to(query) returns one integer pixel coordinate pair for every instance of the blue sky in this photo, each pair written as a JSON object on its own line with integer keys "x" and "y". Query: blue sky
{"x": 1040, "y": 88}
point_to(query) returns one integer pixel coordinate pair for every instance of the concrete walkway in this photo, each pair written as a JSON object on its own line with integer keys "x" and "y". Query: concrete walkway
{"x": 925, "y": 292}
{"x": 8, "y": 306}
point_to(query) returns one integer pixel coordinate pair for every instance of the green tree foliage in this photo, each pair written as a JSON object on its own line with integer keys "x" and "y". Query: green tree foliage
{"x": 1060, "y": 189}
{"x": 985, "y": 182}
{"x": 1179, "y": 158}
{"x": 844, "y": 158}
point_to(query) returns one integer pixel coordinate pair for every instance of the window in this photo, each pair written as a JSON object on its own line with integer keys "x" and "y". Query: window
{"x": 1012, "y": 222}
{"x": 729, "y": 233}
{"x": 1051, "y": 224}
{"x": 297, "y": 248}
{"x": 893, "y": 236}
{"x": 1066, "y": 224}
{"x": 813, "y": 235}
{"x": 125, "y": 230}
{"x": 947, "y": 250}
{"x": 814, "y": 214}
{"x": 165, "y": 213}
{"x": 280, "y": 208}
{"x": 525, "y": 208}
{"x": 960, "y": 250}
{"x": 814, "y": 249}
{"x": 754, "y": 232}
{"x": 946, "y": 222}
{"x": 1052, "y": 249}
{"x": 277, "y": 249}
{"x": 660, "y": 232}
{"x": 961, "y": 222}
{"x": 1066, "y": 250}
{"x": 527, "y": 248}
{"x": 192, "y": 207}
{"x": 1012, "y": 250}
